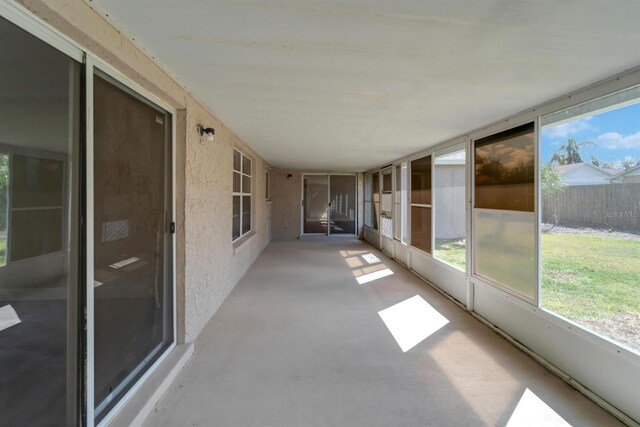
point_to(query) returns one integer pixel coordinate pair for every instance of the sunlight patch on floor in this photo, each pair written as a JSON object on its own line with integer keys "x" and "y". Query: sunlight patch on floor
{"x": 354, "y": 262}
{"x": 370, "y": 277}
{"x": 412, "y": 321}
{"x": 532, "y": 411}
{"x": 370, "y": 258}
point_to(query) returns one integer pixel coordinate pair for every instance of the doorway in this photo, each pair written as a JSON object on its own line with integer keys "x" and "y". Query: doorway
{"x": 329, "y": 204}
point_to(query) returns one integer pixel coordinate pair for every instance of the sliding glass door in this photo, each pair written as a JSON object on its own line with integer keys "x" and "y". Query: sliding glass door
{"x": 132, "y": 246}
{"x": 39, "y": 165}
{"x": 342, "y": 204}
{"x": 328, "y": 204}
{"x": 315, "y": 212}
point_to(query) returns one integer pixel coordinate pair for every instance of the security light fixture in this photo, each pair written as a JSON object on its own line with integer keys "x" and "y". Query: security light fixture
{"x": 208, "y": 131}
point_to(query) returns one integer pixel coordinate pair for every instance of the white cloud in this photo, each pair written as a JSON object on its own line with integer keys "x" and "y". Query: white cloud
{"x": 567, "y": 129}
{"x": 616, "y": 141}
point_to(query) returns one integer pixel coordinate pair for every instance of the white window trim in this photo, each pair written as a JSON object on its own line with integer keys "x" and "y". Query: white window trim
{"x": 242, "y": 195}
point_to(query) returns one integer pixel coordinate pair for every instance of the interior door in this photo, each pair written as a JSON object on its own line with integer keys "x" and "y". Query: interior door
{"x": 315, "y": 196}
{"x": 342, "y": 204}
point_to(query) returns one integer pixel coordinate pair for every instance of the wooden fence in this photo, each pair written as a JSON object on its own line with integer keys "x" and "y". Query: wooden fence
{"x": 607, "y": 206}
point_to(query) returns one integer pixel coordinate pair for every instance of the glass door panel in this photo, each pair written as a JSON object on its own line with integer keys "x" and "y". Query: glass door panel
{"x": 132, "y": 254}
{"x": 342, "y": 205}
{"x": 39, "y": 131}
{"x": 315, "y": 197}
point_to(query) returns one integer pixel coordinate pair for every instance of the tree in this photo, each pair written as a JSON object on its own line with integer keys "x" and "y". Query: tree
{"x": 569, "y": 153}
{"x": 551, "y": 185}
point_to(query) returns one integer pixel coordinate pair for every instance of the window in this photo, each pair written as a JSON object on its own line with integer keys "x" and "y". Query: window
{"x": 505, "y": 170}
{"x": 590, "y": 215}
{"x": 241, "y": 195}
{"x": 400, "y": 203}
{"x": 386, "y": 205}
{"x": 266, "y": 186}
{"x": 450, "y": 201}
{"x": 376, "y": 200}
{"x": 4, "y": 207}
{"x": 421, "y": 204}
{"x": 368, "y": 200}
{"x": 504, "y": 222}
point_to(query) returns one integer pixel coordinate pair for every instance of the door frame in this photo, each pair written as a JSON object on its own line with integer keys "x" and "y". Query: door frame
{"x": 92, "y": 64}
{"x": 328, "y": 175}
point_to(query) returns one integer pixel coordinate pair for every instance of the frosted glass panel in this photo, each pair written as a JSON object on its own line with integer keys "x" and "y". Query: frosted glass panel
{"x": 386, "y": 202}
{"x": 505, "y": 249}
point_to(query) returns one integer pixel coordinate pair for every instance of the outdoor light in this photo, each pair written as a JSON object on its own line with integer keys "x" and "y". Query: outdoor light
{"x": 289, "y": 177}
{"x": 208, "y": 131}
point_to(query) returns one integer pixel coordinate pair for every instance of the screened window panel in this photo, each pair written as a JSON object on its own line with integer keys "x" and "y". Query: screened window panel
{"x": 246, "y": 165}
{"x": 376, "y": 187}
{"x": 421, "y": 228}
{"x": 386, "y": 182}
{"x": 4, "y": 206}
{"x": 421, "y": 181}
{"x": 246, "y": 214}
{"x": 237, "y": 161}
{"x": 236, "y": 217}
{"x": 397, "y": 223}
{"x": 450, "y": 200}
{"x": 246, "y": 184}
{"x": 375, "y": 212}
{"x": 505, "y": 248}
{"x": 505, "y": 170}
{"x": 237, "y": 182}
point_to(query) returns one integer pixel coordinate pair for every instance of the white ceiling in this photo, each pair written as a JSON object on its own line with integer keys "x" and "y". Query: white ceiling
{"x": 348, "y": 85}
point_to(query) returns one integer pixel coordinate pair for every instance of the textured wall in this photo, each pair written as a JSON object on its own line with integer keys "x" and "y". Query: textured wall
{"x": 286, "y": 209}
{"x": 208, "y": 265}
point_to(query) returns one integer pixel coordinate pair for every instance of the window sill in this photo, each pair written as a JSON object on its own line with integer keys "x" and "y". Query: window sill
{"x": 239, "y": 244}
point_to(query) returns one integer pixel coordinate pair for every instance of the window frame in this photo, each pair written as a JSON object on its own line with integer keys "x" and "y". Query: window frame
{"x": 503, "y": 128}
{"x": 452, "y": 148}
{"x": 241, "y": 194}
{"x": 412, "y": 204}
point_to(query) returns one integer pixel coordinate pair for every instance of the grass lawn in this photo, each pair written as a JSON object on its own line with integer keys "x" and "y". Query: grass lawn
{"x": 583, "y": 275}
{"x": 590, "y": 276}
{"x": 451, "y": 251}
{"x": 3, "y": 251}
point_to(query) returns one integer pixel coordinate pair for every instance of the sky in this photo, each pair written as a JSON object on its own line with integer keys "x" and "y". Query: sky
{"x": 616, "y": 135}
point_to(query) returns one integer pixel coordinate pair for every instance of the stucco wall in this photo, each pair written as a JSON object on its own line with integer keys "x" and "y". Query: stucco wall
{"x": 208, "y": 263}
{"x": 286, "y": 209}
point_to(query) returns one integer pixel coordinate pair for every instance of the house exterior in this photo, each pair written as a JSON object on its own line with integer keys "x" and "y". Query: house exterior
{"x": 584, "y": 174}
{"x": 629, "y": 176}
{"x": 132, "y": 211}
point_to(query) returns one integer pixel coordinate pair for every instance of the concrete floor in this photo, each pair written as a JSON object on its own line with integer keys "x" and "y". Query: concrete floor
{"x": 299, "y": 342}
